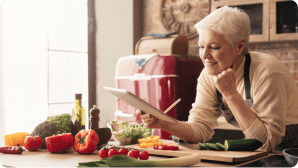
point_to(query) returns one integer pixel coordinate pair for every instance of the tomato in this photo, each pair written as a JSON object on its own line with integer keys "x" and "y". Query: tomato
{"x": 60, "y": 142}
{"x": 103, "y": 152}
{"x": 133, "y": 153}
{"x": 111, "y": 147}
{"x": 86, "y": 141}
{"x": 144, "y": 155}
{"x": 123, "y": 151}
{"x": 113, "y": 152}
{"x": 136, "y": 151}
{"x": 32, "y": 143}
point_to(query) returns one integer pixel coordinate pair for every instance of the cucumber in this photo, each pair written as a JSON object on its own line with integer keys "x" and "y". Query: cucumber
{"x": 243, "y": 145}
{"x": 202, "y": 146}
{"x": 211, "y": 146}
{"x": 220, "y": 146}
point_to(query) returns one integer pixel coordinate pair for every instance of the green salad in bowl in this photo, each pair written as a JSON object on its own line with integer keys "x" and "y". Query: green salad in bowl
{"x": 126, "y": 134}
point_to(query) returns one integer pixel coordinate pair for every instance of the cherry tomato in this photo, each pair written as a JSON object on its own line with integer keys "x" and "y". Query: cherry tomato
{"x": 113, "y": 152}
{"x": 144, "y": 155}
{"x": 103, "y": 152}
{"x": 136, "y": 150}
{"x": 133, "y": 153}
{"x": 32, "y": 143}
{"x": 111, "y": 147}
{"x": 123, "y": 151}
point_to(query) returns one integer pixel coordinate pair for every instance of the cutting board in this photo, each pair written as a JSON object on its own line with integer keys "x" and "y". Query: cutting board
{"x": 223, "y": 156}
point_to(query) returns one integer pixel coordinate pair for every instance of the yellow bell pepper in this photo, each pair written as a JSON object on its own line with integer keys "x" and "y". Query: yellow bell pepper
{"x": 150, "y": 139}
{"x": 154, "y": 138}
{"x": 158, "y": 143}
{"x": 143, "y": 140}
{"x": 15, "y": 139}
{"x": 144, "y": 145}
{"x": 151, "y": 144}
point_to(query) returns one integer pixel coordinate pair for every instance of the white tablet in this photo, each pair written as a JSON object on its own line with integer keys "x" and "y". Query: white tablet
{"x": 139, "y": 103}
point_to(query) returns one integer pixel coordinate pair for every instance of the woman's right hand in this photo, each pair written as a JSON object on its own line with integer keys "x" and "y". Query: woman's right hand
{"x": 148, "y": 120}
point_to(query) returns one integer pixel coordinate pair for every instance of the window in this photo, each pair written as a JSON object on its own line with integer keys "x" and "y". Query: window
{"x": 43, "y": 61}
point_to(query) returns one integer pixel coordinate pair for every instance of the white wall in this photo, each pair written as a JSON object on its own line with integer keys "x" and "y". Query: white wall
{"x": 114, "y": 39}
{"x": 2, "y": 121}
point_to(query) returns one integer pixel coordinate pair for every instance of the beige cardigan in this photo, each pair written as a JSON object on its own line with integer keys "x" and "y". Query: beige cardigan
{"x": 275, "y": 96}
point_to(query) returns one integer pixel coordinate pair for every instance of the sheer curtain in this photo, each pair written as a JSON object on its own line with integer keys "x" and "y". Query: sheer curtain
{"x": 43, "y": 61}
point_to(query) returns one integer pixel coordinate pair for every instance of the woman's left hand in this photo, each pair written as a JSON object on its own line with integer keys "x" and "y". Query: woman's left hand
{"x": 225, "y": 81}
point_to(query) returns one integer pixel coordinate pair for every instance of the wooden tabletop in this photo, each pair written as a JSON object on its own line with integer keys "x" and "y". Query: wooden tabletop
{"x": 43, "y": 158}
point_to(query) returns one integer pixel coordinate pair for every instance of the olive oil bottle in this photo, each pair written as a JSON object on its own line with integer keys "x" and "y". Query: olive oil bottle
{"x": 78, "y": 113}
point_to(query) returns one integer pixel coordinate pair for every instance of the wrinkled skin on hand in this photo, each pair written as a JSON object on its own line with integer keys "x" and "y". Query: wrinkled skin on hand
{"x": 148, "y": 120}
{"x": 225, "y": 81}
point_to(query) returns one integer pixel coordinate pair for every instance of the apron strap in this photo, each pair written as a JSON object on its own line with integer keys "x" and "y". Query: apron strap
{"x": 246, "y": 78}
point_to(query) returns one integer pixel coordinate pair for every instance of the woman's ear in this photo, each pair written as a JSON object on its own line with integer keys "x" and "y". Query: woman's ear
{"x": 240, "y": 46}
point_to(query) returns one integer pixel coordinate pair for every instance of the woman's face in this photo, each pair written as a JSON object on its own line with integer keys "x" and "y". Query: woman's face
{"x": 215, "y": 51}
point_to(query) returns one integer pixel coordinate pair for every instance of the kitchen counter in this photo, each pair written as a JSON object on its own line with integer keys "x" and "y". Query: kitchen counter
{"x": 43, "y": 158}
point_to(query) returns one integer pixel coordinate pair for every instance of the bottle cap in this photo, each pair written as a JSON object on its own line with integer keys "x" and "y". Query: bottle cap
{"x": 78, "y": 96}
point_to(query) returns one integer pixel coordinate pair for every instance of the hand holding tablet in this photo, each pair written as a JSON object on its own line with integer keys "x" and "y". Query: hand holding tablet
{"x": 140, "y": 104}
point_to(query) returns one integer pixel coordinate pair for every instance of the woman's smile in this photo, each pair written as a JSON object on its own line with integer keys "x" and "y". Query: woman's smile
{"x": 209, "y": 64}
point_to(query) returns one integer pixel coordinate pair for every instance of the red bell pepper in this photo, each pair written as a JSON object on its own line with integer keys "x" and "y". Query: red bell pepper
{"x": 86, "y": 141}
{"x": 68, "y": 140}
{"x": 60, "y": 142}
{"x": 173, "y": 147}
{"x": 166, "y": 147}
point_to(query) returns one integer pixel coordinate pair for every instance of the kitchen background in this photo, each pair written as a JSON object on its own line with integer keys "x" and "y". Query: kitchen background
{"x": 44, "y": 52}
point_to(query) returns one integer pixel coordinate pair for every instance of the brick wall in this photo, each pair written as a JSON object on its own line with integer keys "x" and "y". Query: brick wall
{"x": 287, "y": 52}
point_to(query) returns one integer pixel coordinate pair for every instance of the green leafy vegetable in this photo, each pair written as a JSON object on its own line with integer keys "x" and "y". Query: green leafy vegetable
{"x": 63, "y": 123}
{"x": 134, "y": 132}
{"x": 126, "y": 161}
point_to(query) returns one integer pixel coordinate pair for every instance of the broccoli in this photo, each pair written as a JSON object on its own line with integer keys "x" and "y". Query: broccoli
{"x": 63, "y": 123}
{"x": 44, "y": 129}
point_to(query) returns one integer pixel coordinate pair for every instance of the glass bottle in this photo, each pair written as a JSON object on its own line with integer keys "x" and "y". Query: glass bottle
{"x": 78, "y": 112}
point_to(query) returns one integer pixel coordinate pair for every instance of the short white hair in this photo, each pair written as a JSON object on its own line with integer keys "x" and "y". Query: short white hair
{"x": 232, "y": 22}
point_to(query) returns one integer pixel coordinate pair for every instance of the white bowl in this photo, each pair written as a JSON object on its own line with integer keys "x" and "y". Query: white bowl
{"x": 121, "y": 141}
{"x": 115, "y": 131}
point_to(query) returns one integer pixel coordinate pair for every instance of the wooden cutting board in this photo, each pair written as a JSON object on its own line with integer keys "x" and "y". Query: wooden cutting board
{"x": 224, "y": 156}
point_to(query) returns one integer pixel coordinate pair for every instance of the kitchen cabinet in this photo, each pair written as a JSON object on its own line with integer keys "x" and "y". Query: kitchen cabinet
{"x": 271, "y": 20}
{"x": 283, "y": 20}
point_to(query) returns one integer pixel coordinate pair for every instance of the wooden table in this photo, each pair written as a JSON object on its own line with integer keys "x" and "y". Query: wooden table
{"x": 43, "y": 158}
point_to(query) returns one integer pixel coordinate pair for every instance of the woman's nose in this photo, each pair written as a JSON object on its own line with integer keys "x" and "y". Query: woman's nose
{"x": 204, "y": 53}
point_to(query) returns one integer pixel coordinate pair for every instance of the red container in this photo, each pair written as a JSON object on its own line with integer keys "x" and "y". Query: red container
{"x": 160, "y": 81}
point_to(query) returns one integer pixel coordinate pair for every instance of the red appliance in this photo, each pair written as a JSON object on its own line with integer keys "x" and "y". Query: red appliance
{"x": 159, "y": 80}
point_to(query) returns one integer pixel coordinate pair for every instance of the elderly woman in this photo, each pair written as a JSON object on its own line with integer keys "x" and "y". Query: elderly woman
{"x": 254, "y": 91}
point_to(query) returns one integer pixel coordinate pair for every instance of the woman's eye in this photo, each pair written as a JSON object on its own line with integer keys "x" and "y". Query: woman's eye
{"x": 201, "y": 47}
{"x": 215, "y": 48}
